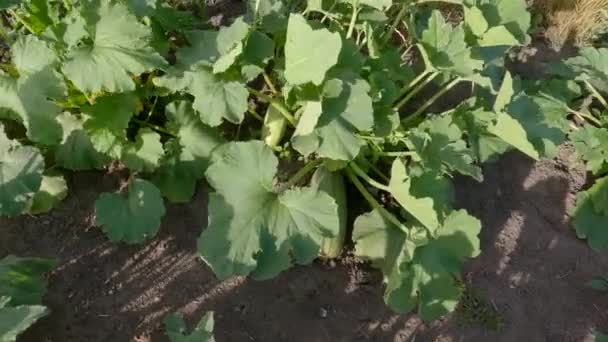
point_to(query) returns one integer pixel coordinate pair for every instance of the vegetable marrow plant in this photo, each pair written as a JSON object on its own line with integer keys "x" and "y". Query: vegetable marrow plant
{"x": 283, "y": 111}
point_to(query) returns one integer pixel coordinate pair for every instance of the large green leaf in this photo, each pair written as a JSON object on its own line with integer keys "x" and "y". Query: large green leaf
{"x": 384, "y": 244}
{"x": 107, "y": 120}
{"x": 145, "y": 154}
{"x": 53, "y": 190}
{"x": 511, "y": 131}
{"x": 21, "y": 170}
{"x": 119, "y": 49}
{"x": 23, "y": 279}
{"x": 254, "y": 228}
{"x": 215, "y": 49}
{"x": 131, "y": 218}
{"x": 303, "y": 62}
{"x": 591, "y": 144}
{"x": 187, "y": 155}
{"x": 215, "y": 98}
{"x": 590, "y": 65}
{"x": 544, "y": 119}
{"x": 427, "y": 281}
{"x": 15, "y": 320}
{"x": 498, "y": 22}
{"x": 423, "y": 209}
{"x": 599, "y": 337}
{"x": 446, "y": 49}
{"x": 345, "y": 111}
{"x": 440, "y": 148}
{"x": 590, "y": 223}
{"x": 30, "y": 96}
{"x": 76, "y": 151}
{"x": 202, "y": 332}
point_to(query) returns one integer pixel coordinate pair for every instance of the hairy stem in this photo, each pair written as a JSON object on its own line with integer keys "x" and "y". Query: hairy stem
{"x": 255, "y": 114}
{"x": 276, "y": 104}
{"x": 353, "y": 19}
{"x": 300, "y": 174}
{"x": 396, "y": 154}
{"x": 417, "y": 89}
{"x": 20, "y": 19}
{"x": 393, "y": 27}
{"x": 154, "y": 127}
{"x": 269, "y": 83}
{"x": 356, "y": 169}
{"x": 597, "y": 95}
{"x": 152, "y": 109}
{"x": 373, "y": 203}
{"x": 585, "y": 116}
{"x": 432, "y": 100}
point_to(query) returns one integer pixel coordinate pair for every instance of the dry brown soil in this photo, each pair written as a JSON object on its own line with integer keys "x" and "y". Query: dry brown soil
{"x": 533, "y": 270}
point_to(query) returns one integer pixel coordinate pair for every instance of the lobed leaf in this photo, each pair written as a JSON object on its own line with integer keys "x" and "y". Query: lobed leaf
{"x": 252, "y": 227}
{"x": 131, "y": 218}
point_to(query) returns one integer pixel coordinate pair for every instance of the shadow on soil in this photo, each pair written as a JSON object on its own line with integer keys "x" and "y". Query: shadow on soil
{"x": 532, "y": 269}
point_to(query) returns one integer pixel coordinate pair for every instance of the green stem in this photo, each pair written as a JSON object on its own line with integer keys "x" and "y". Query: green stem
{"x": 416, "y": 90}
{"x": 367, "y": 178}
{"x": 414, "y": 82}
{"x": 21, "y": 20}
{"x": 154, "y": 127}
{"x": 585, "y": 116}
{"x": 396, "y": 154}
{"x": 393, "y": 27}
{"x": 300, "y": 174}
{"x": 269, "y": 83}
{"x": 353, "y": 19}
{"x": 432, "y": 100}
{"x": 152, "y": 109}
{"x": 597, "y": 95}
{"x": 373, "y": 203}
{"x": 378, "y": 172}
{"x": 255, "y": 114}
{"x": 276, "y": 104}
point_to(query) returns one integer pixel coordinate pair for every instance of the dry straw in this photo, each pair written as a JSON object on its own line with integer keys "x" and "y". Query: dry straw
{"x": 576, "y": 21}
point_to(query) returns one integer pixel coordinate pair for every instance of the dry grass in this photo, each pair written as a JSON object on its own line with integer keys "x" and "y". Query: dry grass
{"x": 577, "y": 21}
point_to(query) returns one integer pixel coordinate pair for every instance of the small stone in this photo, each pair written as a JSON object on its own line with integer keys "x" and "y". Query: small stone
{"x": 322, "y": 312}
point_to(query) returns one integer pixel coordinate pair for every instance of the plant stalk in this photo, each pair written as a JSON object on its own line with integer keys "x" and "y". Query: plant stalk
{"x": 20, "y": 19}
{"x": 396, "y": 154}
{"x": 353, "y": 19}
{"x": 597, "y": 95}
{"x": 373, "y": 203}
{"x": 356, "y": 169}
{"x": 255, "y": 114}
{"x": 394, "y": 25}
{"x": 585, "y": 116}
{"x": 417, "y": 89}
{"x": 300, "y": 174}
{"x": 154, "y": 127}
{"x": 276, "y": 104}
{"x": 269, "y": 83}
{"x": 432, "y": 100}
